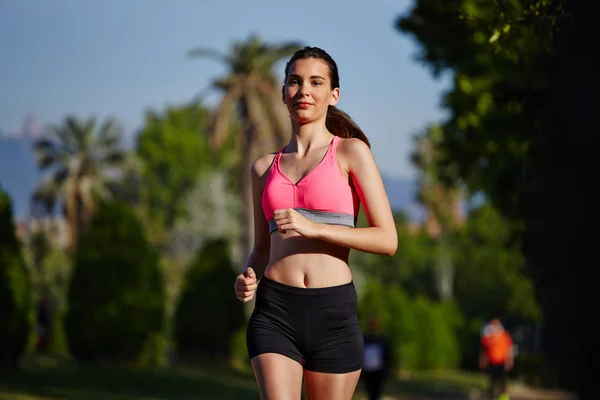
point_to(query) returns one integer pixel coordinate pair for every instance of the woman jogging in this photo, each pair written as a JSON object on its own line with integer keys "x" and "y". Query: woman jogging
{"x": 306, "y": 202}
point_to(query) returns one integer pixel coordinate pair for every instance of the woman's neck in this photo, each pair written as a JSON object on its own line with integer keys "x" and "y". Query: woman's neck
{"x": 304, "y": 137}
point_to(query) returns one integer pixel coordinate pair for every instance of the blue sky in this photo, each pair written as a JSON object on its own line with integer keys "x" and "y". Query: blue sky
{"x": 121, "y": 57}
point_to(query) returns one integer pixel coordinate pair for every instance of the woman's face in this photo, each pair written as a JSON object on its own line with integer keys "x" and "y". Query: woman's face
{"x": 307, "y": 91}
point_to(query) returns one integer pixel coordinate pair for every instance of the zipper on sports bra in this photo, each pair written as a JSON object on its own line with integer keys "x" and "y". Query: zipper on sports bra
{"x": 295, "y": 196}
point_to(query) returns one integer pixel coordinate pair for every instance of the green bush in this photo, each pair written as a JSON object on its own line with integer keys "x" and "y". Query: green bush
{"x": 391, "y": 306}
{"x": 208, "y": 314}
{"x": 238, "y": 350}
{"x": 54, "y": 281}
{"x": 58, "y": 345}
{"x": 437, "y": 343}
{"x": 423, "y": 334}
{"x": 116, "y": 299}
{"x": 155, "y": 352}
{"x": 16, "y": 305}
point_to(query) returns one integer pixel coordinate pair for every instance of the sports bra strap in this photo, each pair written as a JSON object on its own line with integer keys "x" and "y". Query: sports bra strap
{"x": 334, "y": 144}
{"x": 278, "y": 156}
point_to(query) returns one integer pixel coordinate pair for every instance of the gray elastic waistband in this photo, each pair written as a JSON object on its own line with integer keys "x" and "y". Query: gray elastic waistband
{"x": 323, "y": 217}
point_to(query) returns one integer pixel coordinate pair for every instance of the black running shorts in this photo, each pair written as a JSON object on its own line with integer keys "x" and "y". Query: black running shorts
{"x": 317, "y": 327}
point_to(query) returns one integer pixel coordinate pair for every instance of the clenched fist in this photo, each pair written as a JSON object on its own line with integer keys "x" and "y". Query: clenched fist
{"x": 290, "y": 219}
{"x": 245, "y": 285}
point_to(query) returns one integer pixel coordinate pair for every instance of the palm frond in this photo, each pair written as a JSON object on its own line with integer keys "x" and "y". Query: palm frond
{"x": 60, "y": 176}
{"x": 270, "y": 55}
{"x": 47, "y": 153}
{"x": 202, "y": 52}
{"x": 47, "y": 160}
{"x": 109, "y": 135}
{"x": 65, "y": 139}
{"x": 227, "y": 82}
{"x": 45, "y": 196}
{"x": 44, "y": 144}
{"x": 113, "y": 159}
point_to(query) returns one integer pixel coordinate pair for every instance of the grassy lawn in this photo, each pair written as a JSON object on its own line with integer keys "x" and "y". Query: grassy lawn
{"x": 46, "y": 379}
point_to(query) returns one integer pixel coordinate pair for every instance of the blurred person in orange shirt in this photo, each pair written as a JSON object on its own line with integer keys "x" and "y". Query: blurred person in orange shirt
{"x": 496, "y": 357}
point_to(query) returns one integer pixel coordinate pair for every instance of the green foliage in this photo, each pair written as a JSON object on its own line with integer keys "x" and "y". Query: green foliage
{"x": 16, "y": 311}
{"x": 437, "y": 344}
{"x": 520, "y": 70}
{"x": 39, "y": 248}
{"x": 500, "y": 100}
{"x": 200, "y": 326}
{"x": 492, "y": 279}
{"x": 173, "y": 147}
{"x": 410, "y": 266}
{"x": 58, "y": 345}
{"x": 211, "y": 211}
{"x": 55, "y": 276}
{"x": 155, "y": 351}
{"x": 239, "y": 350}
{"x": 423, "y": 334}
{"x": 83, "y": 165}
{"x": 116, "y": 296}
{"x": 51, "y": 276}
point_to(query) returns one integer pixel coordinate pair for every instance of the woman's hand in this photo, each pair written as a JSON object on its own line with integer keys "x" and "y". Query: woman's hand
{"x": 245, "y": 285}
{"x": 290, "y": 219}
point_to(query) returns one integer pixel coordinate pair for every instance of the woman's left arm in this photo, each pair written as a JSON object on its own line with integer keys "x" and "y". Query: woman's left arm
{"x": 381, "y": 236}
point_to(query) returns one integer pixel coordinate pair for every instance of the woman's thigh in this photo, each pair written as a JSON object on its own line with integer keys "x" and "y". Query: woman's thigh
{"x": 325, "y": 386}
{"x": 278, "y": 377}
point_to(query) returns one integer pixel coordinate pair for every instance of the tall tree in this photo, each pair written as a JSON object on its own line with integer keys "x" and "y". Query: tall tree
{"x": 442, "y": 203}
{"x": 173, "y": 149}
{"x": 83, "y": 167}
{"x": 518, "y": 130}
{"x": 116, "y": 295}
{"x": 251, "y": 100}
{"x": 16, "y": 305}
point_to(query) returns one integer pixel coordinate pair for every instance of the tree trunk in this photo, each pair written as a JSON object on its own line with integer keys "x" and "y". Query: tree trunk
{"x": 444, "y": 271}
{"x": 72, "y": 216}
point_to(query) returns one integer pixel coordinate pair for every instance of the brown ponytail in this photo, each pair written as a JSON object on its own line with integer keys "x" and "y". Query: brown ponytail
{"x": 338, "y": 122}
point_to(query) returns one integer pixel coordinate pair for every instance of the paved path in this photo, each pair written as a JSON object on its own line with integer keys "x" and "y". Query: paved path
{"x": 516, "y": 393}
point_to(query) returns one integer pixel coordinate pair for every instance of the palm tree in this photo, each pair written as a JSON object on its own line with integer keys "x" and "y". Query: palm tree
{"x": 83, "y": 168}
{"x": 442, "y": 203}
{"x": 251, "y": 100}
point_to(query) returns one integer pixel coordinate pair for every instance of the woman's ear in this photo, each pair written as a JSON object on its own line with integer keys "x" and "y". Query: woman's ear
{"x": 335, "y": 97}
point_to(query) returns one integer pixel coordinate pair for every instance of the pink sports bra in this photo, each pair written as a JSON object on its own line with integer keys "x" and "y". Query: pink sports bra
{"x": 323, "y": 195}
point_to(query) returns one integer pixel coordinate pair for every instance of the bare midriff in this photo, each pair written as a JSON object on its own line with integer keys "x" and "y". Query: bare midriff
{"x": 307, "y": 263}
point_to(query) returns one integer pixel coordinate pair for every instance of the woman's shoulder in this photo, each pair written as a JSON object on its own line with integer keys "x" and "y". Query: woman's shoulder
{"x": 350, "y": 148}
{"x": 262, "y": 164}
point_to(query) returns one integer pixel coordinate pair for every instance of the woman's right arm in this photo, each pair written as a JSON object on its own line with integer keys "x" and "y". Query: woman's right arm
{"x": 246, "y": 282}
{"x": 259, "y": 257}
